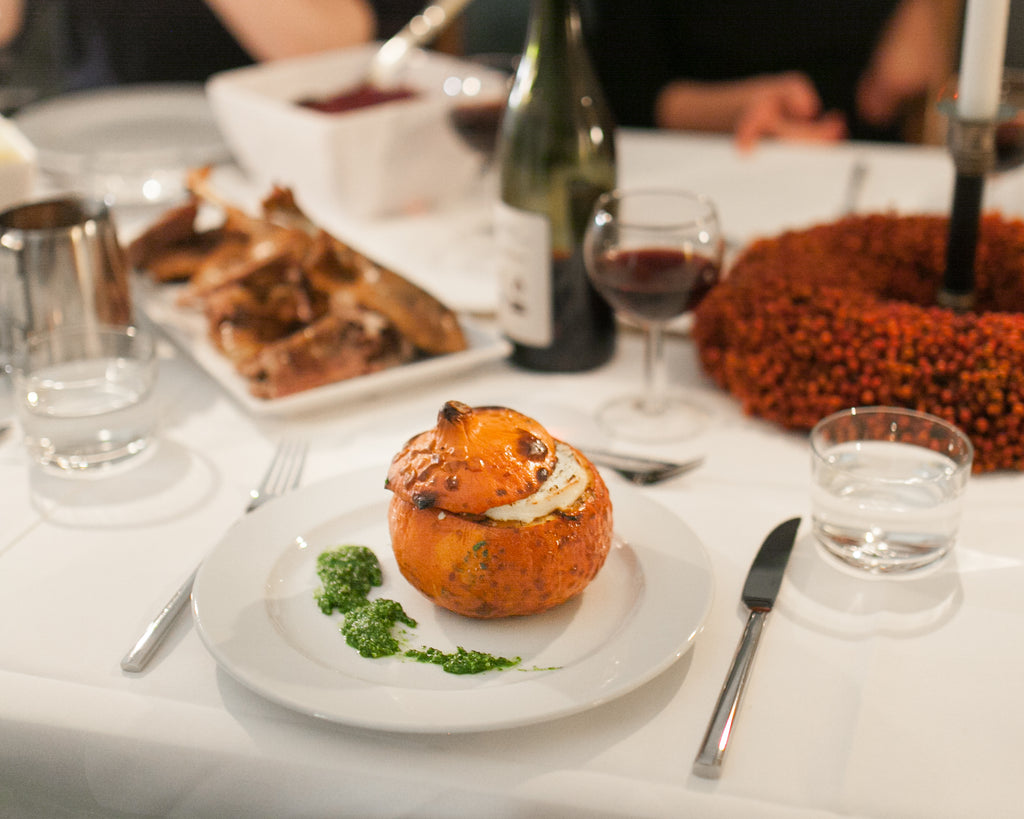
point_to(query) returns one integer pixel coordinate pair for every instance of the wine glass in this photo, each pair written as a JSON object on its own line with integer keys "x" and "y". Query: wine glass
{"x": 1010, "y": 128}
{"x": 478, "y": 92}
{"x": 1009, "y": 119}
{"x": 653, "y": 255}
{"x": 477, "y": 89}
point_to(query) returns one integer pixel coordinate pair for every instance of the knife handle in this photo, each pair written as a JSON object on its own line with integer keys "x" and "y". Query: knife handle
{"x": 708, "y": 763}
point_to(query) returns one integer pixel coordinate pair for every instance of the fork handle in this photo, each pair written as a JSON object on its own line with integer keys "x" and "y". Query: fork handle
{"x": 138, "y": 658}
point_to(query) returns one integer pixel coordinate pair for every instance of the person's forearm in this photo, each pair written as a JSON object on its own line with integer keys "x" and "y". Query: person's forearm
{"x": 272, "y": 29}
{"x": 11, "y": 14}
{"x": 698, "y": 106}
{"x": 913, "y": 60}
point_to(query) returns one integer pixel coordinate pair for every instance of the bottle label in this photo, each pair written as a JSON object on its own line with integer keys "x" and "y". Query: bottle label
{"x": 524, "y": 275}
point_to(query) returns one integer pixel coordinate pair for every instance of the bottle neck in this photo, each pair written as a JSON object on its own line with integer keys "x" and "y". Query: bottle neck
{"x": 556, "y": 9}
{"x": 554, "y": 20}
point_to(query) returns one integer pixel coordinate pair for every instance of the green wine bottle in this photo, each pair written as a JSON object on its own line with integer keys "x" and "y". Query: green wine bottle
{"x": 557, "y": 155}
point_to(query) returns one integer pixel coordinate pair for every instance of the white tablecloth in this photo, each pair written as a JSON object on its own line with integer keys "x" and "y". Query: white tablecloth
{"x": 774, "y": 187}
{"x": 873, "y": 698}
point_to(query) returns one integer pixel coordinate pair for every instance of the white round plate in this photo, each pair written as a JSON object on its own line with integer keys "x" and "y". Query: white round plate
{"x": 129, "y": 144}
{"x": 254, "y": 609}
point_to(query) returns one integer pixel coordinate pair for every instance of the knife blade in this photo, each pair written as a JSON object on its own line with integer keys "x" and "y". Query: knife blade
{"x": 759, "y": 593}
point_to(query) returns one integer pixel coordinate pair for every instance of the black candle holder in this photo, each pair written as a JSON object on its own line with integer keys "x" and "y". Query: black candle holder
{"x": 972, "y": 143}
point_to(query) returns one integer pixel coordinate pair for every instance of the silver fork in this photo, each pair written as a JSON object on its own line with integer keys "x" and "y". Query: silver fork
{"x": 283, "y": 475}
{"x": 638, "y": 469}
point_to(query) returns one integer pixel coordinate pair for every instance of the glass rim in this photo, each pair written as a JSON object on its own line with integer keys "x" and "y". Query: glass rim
{"x": 142, "y": 339}
{"x": 130, "y": 329}
{"x": 709, "y": 212}
{"x": 963, "y": 460}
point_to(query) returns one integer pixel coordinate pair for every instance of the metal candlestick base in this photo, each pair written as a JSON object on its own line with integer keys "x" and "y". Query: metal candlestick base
{"x": 958, "y": 302}
{"x": 973, "y": 144}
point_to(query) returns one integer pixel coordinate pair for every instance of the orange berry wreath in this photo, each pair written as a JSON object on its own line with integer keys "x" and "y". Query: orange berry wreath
{"x": 843, "y": 314}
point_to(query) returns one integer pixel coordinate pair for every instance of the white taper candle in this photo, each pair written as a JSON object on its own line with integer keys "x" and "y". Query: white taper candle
{"x": 981, "y": 58}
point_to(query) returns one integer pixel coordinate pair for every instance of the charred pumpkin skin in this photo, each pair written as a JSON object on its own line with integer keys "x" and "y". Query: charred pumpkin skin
{"x": 476, "y": 458}
{"x": 485, "y": 569}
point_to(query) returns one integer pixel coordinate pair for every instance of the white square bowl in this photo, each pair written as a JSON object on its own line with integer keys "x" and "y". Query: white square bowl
{"x": 393, "y": 157}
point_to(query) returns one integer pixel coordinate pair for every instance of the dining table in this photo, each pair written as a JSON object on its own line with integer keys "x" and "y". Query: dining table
{"x": 869, "y": 697}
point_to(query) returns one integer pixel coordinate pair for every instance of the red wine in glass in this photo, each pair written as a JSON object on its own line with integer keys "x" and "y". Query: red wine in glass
{"x": 654, "y": 284}
{"x": 479, "y": 94}
{"x": 477, "y": 124}
{"x": 1009, "y": 145}
{"x": 1010, "y": 126}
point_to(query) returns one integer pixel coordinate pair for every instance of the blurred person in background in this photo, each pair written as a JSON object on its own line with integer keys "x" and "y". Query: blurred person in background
{"x": 64, "y": 45}
{"x": 799, "y": 69}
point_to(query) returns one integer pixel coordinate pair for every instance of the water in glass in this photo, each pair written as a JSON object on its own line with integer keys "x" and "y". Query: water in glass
{"x": 82, "y": 414}
{"x": 886, "y": 506}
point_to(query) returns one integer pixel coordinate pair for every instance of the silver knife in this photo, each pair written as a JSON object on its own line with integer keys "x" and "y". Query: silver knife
{"x": 759, "y": 593}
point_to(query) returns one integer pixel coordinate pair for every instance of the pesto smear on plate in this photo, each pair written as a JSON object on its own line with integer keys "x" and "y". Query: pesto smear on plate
{"x": 347, "y": 575}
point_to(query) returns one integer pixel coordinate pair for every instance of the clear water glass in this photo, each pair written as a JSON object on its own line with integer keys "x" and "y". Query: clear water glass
{"x": 84, "y": 396}
{"x": 887, "y": 487}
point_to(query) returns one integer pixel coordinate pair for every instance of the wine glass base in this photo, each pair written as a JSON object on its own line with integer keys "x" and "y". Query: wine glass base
{"x": 676, "y": 420}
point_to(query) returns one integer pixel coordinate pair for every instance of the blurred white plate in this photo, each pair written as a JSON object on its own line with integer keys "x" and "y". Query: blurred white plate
{"x": 188, "y": 330}
{"x": 254, "y": 609}
{"x": 130, "y": 145}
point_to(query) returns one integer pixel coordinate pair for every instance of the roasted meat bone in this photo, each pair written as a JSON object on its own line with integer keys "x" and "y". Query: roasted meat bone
{"x": 423, "y": 319}
{"x": 173, "y": 249}
{"x": 337, "y": 346}
{"x": 289, "y": 305}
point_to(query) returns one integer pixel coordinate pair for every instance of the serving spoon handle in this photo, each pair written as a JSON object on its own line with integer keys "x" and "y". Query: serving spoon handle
{"x": 421, "y": 30}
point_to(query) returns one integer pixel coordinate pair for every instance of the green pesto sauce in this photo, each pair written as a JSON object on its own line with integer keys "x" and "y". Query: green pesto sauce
{"x": 367, "y": 628}
{"x": 462, "y": 661}
{"x": 347, "y": 574}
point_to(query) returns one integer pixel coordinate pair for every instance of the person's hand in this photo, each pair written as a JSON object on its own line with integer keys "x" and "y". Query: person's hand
{"x": 786, "y": 106}
{"x": 908, "y": 63}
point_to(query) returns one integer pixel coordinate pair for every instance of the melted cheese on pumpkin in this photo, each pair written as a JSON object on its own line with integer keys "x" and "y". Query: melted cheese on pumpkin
{"x": 561, "y": 490}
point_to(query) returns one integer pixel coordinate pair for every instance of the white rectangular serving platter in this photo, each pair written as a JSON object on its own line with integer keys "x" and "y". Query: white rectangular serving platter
{"x": 188, "y": 330}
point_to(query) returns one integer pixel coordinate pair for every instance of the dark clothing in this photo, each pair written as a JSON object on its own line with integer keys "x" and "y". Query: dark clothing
{"x": 642, "y": 45}
{"x": 131, "y": 41}
{"x": 89, "y": 43}
{"x": 392, "y": 15}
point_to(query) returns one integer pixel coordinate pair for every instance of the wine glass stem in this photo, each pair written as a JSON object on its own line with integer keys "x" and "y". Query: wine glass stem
{"x": 654, "y": 370}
